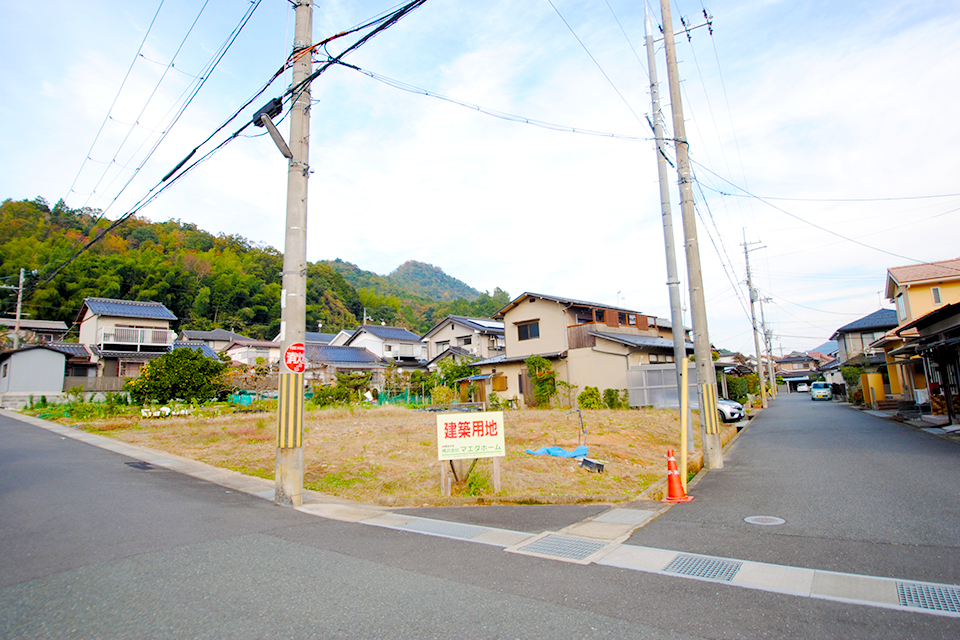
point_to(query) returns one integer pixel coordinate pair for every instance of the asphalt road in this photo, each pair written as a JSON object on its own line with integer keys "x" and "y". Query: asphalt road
{"x": 92, "y": 547}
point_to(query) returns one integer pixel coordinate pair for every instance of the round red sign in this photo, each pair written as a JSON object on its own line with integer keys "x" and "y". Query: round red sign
{"x": 294, "y": 357}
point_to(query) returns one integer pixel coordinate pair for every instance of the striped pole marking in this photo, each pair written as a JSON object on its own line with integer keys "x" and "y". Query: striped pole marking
{"x": 290, "y": 399}
{"x": 708, "y": 393}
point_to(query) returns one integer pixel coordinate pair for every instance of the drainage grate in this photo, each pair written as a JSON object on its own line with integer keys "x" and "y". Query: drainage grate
{"x": 141, "y": 465}
{"x": 700, "y": 567}
{"x": 443, "y": 528}
{"x": 558, "y": 546}
{"x": 929, "y": 596}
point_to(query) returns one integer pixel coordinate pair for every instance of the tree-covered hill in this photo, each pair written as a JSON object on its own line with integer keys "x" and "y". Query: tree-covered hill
{"x": 207, "y": 280}
{"x": 431, "y": 282}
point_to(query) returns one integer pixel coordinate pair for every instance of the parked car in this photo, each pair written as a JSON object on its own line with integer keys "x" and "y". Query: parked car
{"x": 803, "y": 387}
{"x": 730, "y": 411}
{"x": 821, "y": 391}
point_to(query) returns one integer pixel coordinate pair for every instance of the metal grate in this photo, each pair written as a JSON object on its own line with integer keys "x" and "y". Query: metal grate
{"x": 929, "y": 596}
{"x": 700, "y": 567}
{"x": 558, "y": 546}
{"x": 443, "y": 528}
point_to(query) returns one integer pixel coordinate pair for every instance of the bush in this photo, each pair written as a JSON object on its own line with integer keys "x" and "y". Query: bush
{"x": 857, "y": 397}
{"x": 182, "y": 373}
{"x": 590, "y": 399}
{"x": 442, "y": 395}
{"x": 737, "y": 388}
{"x": 331, "y": 396}
{"x": 615, "y": 399}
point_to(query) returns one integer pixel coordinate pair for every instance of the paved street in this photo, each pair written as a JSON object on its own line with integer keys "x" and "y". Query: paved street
{"x": 93, "y": 546}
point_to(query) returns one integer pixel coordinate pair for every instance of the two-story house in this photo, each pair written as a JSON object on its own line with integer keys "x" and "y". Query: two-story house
{"x": 35, "y": 331}
{"x": 917, "y": 291}
{"x": 123, "y": 335}
{"x": 391, "y": 343}
{"x": 249, "y": 351}
{"x": 795, "y": 369}
{"x": 475, "y": 337}
{"x": 589, "y": 344}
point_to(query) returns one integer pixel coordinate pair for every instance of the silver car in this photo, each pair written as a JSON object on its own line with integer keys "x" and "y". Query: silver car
{"x": 730, "y": 411}
{"x": 821, "y": 391}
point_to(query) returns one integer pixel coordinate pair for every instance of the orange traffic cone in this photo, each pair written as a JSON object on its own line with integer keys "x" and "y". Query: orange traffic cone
{"x": 675, "y": 492}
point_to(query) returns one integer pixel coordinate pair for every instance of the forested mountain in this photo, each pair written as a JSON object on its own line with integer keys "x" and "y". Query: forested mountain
{"x": 207, "y": 280}
{"x": 411, "y": 278}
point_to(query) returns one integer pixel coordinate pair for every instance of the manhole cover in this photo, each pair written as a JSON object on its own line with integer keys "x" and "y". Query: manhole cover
{"x": 768, "y": 521}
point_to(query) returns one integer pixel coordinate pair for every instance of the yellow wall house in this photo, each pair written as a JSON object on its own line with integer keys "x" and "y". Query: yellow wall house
{"x": 588, "y": 344}
{"x": 916, "y": 290}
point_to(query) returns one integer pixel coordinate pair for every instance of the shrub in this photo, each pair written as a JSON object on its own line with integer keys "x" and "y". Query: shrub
{"x": 613, "y": 399}
{"x": 544, "y": 379}
{"x": 331, "y": 396}
{"x": 182, "y": 373}
{"x": 857, "y": 396}
{"x": 590, "y": 398}
{"x": 442, "y": 395}
{"x": 737, "y": 388}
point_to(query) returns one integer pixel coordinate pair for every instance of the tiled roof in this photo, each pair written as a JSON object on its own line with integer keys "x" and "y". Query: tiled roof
{"x": 126, "y": 309}
{"x": 216, "y": 334}
{"x": 639, "y": 341}
{"x": 942, "y": 270}
{"x": 253, "y": 343}
{"x": 35, "y": 325}
{"x": 568, "y": 301}
{"x": 202, "y": 347}
{"x": 323, "y": 354}
{"x": 483, "y": 325}
{"x": 320, "y": 338}
{"x": 881, "y": 319}
{"x": 388, "y": 333}
{"x": 73, "y": 349}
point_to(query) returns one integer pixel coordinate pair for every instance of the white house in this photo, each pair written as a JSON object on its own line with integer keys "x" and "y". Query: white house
{"x": 392, "y": 343}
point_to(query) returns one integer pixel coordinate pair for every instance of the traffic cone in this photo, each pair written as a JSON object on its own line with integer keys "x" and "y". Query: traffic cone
{"x": 675, "y": 492}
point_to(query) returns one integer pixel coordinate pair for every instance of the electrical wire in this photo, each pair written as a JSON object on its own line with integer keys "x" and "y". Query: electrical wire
{"x": 595, "y": 61}
{"x": 397, "y": 84}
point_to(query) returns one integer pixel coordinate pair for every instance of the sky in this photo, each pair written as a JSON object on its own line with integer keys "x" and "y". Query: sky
{"x": 822, "y": 134}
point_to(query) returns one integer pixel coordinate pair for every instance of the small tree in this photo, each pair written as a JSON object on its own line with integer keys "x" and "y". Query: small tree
{"x": 544, "y": 380}
{"x": 851, "y": 376}
{"x": 355, "y": 381}
{"x": 182, "y": 373}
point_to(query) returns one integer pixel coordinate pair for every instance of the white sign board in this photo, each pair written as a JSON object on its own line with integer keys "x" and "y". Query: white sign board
{"x": 470, "y": 435}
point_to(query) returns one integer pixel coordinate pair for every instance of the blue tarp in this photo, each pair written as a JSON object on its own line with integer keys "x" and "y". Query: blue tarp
{"x": 579, "y": 452}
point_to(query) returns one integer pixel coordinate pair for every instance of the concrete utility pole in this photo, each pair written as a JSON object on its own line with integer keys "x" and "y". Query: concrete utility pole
{"x": 753, "y": 321}
{"x": 293, "y": 307}
{"x": 772, "y": 375}
{"x": 706, "y": 376}
{"x": 673, "y": 279}
{"x": 16, "y": 335}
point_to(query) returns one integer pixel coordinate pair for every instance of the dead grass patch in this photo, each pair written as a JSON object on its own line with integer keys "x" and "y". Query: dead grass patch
{"x": 388, "y": 454}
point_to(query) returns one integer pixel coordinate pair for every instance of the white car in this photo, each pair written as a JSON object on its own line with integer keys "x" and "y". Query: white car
{"x": 730, "y": 411}
{"x": 803, "y": 387}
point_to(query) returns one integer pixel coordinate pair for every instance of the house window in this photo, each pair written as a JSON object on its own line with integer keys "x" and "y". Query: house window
{"x": 528, "y": 331}
{"x": 499, "y": 383}
{"x": 654, "y": 357}
{"x": 936, "y": 295}
{"x": 462, "y": 342}
{"x": 4, "y": 369}
{"x": 901, "y": 308}
{"x": 387, "y": 348}
{"x": 130, "y": 369}
{"x": 632, "y": 319}
{"x": 598, "y": 315}
{"x": 651, "y": 322}
{"x": 442, "y": 346}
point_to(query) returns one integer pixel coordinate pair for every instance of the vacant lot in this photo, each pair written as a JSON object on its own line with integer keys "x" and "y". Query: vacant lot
{"x": 389, "y": 454}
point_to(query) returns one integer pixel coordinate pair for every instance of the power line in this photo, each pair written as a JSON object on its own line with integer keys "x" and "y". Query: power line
{"x": 595, "y": 61}
{"x": 397, "y": 84}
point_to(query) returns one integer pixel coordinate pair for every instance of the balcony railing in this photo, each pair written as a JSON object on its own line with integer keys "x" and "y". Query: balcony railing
{"x": 130, "y": 337}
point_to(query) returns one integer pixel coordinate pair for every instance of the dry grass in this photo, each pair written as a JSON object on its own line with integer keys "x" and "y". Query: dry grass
{"x": 389, "y": 454}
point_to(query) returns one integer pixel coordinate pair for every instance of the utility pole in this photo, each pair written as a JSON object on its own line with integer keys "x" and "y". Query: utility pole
{"x": 766, "y": 343}
{"x": 19, "y": 288}
{"x": 706, "y": 376}
{"x": 293, "y": 308}
{"x": 753, "y": 321}
{"x": 673, "y": 279}
{"x": 16, "y": 335}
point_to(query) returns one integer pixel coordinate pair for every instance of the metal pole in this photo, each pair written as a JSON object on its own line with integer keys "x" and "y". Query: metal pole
{"x": 673, "y": 279}
{"x": 16, "y": 334}
{"x": 706, "y": 377}
{"x": 753, "y": 322}
{"x": 289, "y": 470}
